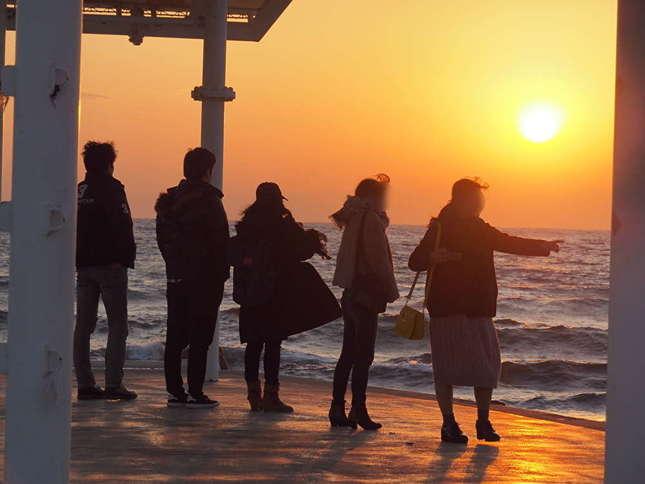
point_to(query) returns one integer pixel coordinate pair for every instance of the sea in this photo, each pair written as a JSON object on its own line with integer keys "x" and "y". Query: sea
{"x": 551, "y": 322}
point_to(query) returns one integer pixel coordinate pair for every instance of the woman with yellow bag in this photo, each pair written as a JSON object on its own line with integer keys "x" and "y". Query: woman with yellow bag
{"x": 364, "y": 269}
{"x": 462, "y": 298}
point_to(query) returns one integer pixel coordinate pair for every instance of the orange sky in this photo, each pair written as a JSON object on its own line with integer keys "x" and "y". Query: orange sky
{"x": 427, "y": 91}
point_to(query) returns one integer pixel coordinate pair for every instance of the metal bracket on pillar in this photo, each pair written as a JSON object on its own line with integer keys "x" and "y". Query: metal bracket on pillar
{"x": 6, "y": 217}
{"x": 201, "y": 93}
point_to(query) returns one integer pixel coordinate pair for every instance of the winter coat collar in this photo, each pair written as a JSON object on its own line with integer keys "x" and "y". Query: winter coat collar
{"x": 357, "y": 206}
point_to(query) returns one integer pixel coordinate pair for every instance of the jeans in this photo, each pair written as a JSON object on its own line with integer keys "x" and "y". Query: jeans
{"x": 357, "y": 355}
{"x": 192, "y": 316}
{"x": 111, "y": 285}
{"x": 252, "y": 354}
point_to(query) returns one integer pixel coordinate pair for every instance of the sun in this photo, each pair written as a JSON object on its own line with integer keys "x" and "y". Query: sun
{"x": 540, "y": 122}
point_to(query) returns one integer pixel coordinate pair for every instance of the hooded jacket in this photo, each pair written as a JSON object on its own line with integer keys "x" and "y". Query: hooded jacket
{"x": 374, "y": 254}
{"x": 104, "y": 235}
{"x": 467, "y": 286}
{"x": 193, "y": 232}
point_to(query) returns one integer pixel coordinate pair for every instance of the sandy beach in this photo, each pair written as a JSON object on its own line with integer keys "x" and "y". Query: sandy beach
{"x": 143, "y": 441}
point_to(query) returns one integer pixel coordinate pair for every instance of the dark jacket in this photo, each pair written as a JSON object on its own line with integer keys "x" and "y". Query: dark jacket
{"x": 193, "y": 233}
{"x": 468, "y": 286}
{"x": 301, "y": 300}
{"x": 104, "y": 235}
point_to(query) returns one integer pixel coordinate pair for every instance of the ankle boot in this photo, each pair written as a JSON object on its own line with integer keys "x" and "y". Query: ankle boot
{"x": 358, "y": 416}
{"x": 337, "y": 416}
{"x": 271, "y": 401}
{"x": 254, "y": 395}
{"x": 450, "y": 432}
{"x": 485, "y": 431}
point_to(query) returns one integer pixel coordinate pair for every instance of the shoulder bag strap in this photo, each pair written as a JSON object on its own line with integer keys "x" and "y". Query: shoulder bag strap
{"x": 408, "y": 297}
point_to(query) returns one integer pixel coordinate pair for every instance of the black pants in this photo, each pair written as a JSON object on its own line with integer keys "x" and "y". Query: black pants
{"x": 357, "y": 355}
{"x": 252, "y": 355}
{"x": 192, "y": 316}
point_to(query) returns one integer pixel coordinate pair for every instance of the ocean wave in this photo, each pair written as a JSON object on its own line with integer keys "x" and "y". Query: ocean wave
{"x": 555, "y": 339}
{"x": 556, "y": 374}
{"x": 592, "y": 402}
{"x": 425, "y": 358}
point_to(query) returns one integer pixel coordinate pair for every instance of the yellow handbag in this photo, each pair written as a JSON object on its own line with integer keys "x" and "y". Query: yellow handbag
{"x": 411, "y": 323}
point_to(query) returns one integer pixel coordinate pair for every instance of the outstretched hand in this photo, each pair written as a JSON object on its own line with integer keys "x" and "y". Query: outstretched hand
{"x": 553, "y": 245}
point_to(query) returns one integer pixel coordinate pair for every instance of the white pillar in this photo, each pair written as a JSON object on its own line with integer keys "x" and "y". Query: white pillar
{"x": 214, "y": 84}
{"x": 3, "y": 39}
{"x": 45, "y": 83}
{"x": 625, "y": 455}
{"x": 213, "y": 94}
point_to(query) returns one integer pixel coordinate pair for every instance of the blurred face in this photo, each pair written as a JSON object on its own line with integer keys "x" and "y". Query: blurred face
{"x": 382, "y": 200}
{"x": 471, "y": 204}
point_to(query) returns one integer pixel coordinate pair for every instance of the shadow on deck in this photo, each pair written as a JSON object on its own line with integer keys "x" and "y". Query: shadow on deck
{"x": 145, "y": 441}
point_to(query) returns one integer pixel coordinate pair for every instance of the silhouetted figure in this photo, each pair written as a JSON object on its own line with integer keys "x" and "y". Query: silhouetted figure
{"x": 279, "y": 294}
{"x": 105, "y": 249}
{"x": 462, "y": 302}
{"x": 364, "y": 269}
{"x": 192, "y": 234}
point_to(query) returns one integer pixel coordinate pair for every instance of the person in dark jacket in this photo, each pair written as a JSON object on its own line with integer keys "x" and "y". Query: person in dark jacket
{"x": 278, "y": 294}
{"x": 105, "y": 249}
{"x": 462, "y": 301}
{"x": 192, "y": 234}
{"x": 365, "y": 271}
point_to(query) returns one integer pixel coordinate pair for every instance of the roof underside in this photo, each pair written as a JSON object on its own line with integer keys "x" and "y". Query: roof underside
{"x": 247, "y": 19}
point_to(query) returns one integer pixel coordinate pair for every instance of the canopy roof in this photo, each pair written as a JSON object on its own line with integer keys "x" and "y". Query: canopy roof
{"x": 248, "y": 19}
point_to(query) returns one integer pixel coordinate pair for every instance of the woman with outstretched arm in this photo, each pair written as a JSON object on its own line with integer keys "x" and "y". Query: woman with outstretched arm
{"x": 462, "y": 301}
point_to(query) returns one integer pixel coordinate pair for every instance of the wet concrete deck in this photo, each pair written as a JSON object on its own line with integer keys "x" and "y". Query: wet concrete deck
{"x": 143, "y": 441}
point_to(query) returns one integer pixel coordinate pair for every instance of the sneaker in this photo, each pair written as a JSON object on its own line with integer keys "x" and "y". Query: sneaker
{"x": 91, "y": 393}
{"x": 201, "y": 401}
{"x": 175, "y": 401}
{"x": 119, "y": 393}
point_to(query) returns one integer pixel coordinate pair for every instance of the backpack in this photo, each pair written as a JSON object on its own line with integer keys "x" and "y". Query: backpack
{"x": 255, "y": 272}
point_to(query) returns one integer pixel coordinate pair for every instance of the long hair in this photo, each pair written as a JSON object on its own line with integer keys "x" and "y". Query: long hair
{"x": 264, "y": 212}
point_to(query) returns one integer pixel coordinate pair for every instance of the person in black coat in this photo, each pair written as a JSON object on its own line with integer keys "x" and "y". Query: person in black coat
{"x": 193, "y": 235}
{"x": 459, "y": 247}
{"x": 279, "y": 294}
{"x": 105, "y": 249}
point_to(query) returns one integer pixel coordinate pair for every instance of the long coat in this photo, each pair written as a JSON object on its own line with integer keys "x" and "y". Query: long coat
{"x": 301, "y": 300}
{"x": 468, "y": 286}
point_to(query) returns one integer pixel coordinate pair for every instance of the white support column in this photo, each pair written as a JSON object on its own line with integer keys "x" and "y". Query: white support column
{"x": 41, "y": 289}
{"x": 625, "y": 457}
{"x": 213, "y": 94}
{"x": 3, "y": 39}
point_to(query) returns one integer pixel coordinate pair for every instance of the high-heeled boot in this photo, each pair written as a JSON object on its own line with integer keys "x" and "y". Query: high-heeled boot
{"x": 450, "y": 432}
{"x": 254, "y": 395}
{"x": 271, "y": 401}
{"x": 485, "y": 431}
{"x": 337, "y": 416}
{"x": 358, "y": 416}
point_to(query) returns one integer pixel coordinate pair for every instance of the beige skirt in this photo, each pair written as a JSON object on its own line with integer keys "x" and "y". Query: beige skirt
{"x": 465, "y": 351}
